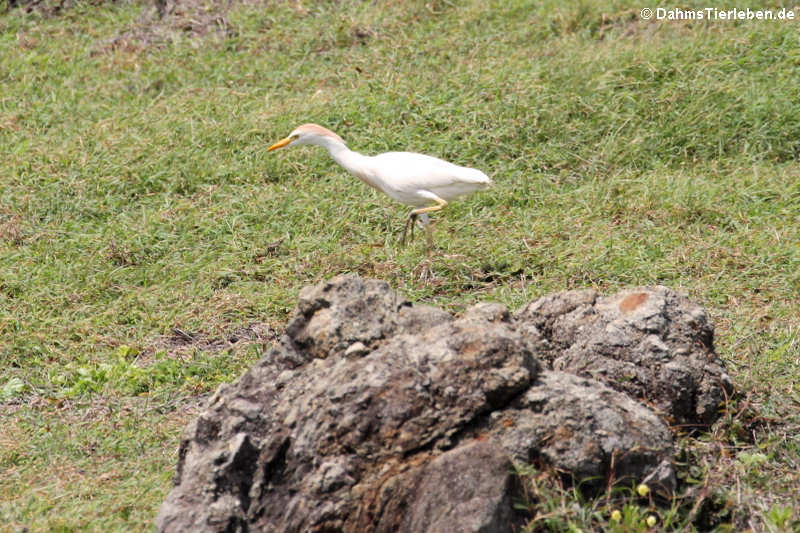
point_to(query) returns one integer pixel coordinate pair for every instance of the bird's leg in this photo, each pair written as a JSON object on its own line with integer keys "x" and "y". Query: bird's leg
{"x": 409, "y": 222}
{"x": 440, "y": 203}
{"x": 424, "y": 223}
{"x": 429, "y": 234}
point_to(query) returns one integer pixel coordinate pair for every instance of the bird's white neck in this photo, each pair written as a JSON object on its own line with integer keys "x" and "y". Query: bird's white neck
{"x": 353, "y": 162}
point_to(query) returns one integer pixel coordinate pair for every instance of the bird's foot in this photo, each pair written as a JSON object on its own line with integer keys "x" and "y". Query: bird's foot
{"x": 424, "y": 271}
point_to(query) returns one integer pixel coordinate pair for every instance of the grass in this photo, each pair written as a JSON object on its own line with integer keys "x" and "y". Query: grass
{"x": 142, "y": 223}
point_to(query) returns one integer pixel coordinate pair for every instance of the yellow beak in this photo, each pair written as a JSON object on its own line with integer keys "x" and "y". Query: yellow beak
{"x": 280, "y": 144}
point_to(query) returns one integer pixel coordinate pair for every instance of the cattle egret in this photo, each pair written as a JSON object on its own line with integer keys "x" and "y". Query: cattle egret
{"x": 421, "y": 181}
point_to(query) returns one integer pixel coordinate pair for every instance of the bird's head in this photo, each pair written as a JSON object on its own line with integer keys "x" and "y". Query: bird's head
{"x": 308, "y": 134}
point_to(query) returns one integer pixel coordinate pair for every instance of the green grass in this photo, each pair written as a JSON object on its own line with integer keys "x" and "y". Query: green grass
{"x": 137, "y": 197}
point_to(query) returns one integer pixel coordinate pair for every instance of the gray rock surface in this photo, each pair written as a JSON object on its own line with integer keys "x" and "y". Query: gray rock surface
{"x": 584, "y": 428}
{"x": 373, "y": 414}
{"x": 468, "y": 488}
{"x": 651, "y": 343}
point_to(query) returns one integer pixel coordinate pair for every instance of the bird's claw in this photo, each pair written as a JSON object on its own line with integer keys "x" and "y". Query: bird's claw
{"x": 424, "y": 271}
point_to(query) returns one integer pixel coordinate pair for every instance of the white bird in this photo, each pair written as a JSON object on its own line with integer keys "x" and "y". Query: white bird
{"x": 418, "y": 180}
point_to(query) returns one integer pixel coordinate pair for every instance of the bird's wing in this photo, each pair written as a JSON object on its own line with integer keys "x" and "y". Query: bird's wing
{"x": 418, "y": 171}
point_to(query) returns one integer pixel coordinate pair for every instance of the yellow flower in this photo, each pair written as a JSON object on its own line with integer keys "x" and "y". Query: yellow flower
{"x": 651, "y": 520}
{"x": 643, "y": 490}
{"x": 616, "y": 516}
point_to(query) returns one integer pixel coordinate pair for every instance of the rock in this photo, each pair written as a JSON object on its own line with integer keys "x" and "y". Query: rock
{"x": 371, "y": 414}
{"x": 469, "y": 488}
{"x": 662, "y": 480}
{"x": 651, "y": 343}
{"x": 490, "y": 312}
{"x": 331, "y": 317}
{"x": 584, "y": 428}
